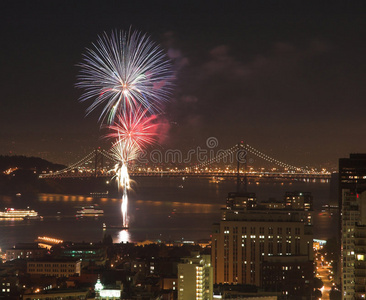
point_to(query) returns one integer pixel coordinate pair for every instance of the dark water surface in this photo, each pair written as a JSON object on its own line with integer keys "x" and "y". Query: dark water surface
{"x": 159, "y": 208}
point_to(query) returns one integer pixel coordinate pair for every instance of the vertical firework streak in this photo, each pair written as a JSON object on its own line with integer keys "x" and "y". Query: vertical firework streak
{"x": 130, "y": 77}
{"x": 123, "y": 152}
{"x": 133, "y": 131}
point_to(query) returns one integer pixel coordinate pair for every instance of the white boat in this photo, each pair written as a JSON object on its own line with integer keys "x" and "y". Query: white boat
{"x": 19, "y": 214}
{"x": 89, "y": 211}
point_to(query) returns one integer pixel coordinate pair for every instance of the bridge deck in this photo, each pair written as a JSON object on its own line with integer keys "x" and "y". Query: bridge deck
{"x": 198, "y": 174}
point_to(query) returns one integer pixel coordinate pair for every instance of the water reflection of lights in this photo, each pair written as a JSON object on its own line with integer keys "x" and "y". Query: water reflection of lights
{"x": 11, "y": 219}
{"x": 73, "y": 198}
{"x": 123, "y": 236}
{"x": 183, "y": 207}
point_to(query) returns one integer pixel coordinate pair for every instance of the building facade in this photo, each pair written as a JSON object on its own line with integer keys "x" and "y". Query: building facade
{"x": 251, "y": 241}
{"x": 292, "y": 275}
{"x": 353, "y": 249}
{"x": 352, "y": 205}
{"x": 244, "y": 240}
{"x": 195, "y": 279}
{"x": 352, "y": 173}
{"x": 299, "y": 200}
{"x": 54, "y": 267}
{"x": 87, "y": 253}
{"x": 9, "y": 287}
{"x": 25, "y": 251}
{"x": 241, "y": 200}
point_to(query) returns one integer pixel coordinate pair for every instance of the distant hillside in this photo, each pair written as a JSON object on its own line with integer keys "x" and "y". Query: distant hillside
{"x": 27, "y": 163}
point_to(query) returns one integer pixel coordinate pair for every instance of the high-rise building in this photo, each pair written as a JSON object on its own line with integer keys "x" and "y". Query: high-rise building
{"x": 352, "y": 205}
{"x": 352, "y": 172}
{"x": 353, "y": 249}
{"x": 248, "y": 239}
{"x": 195, "y": 278}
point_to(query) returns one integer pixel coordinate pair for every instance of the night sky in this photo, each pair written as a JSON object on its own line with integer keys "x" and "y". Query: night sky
{"x": 288, "y": 79}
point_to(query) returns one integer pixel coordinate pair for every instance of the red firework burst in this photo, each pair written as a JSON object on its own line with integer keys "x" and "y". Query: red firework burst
{"x": 135, "y": 127}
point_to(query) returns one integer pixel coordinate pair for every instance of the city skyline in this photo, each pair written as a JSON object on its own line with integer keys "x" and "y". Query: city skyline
{"x": 286, "y": 79}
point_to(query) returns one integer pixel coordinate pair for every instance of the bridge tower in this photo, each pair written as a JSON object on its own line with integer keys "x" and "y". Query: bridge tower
{"x": 98, "y": 161}
{"x": 241, "y": 157}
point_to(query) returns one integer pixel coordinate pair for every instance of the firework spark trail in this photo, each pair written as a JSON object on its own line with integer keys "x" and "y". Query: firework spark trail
{"x": 123, "y": 152}
{"x": 125, "y": 70}
{"x": 124, "y": 179}
{"x": 130, "y": 77}
{"x": 133, "y": 130}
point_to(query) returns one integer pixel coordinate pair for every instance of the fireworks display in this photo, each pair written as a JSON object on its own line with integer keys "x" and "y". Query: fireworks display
{"x": 125, "y": 71}
{"x": 129, "y": 76}
{"x": 123, "y": 152}
{"x": 135, "y": 127}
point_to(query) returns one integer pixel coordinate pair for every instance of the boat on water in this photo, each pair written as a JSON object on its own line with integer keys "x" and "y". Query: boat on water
{"x": 89, "y": 211}
{"x": 105, "y": 226}
{"x": 99, "y": 194}
{"x": 19, "y": 214}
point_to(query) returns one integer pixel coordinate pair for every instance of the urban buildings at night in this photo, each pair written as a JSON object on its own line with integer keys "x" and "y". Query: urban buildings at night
{"x": 54, "y": 267}
{"x": 352, "y": 171}
{"x": 353, "y": 244}
{"x": 264, "y": 247}
{"x": 352, "y": 176}
{"x": 195, "y": 278}
{"x": 125, "y": 126}
{"x": 299, "y": 201}
{"x": 25, "y": 251}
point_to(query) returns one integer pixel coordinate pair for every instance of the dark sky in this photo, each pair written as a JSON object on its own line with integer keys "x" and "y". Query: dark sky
{"x": 288, "y": 79}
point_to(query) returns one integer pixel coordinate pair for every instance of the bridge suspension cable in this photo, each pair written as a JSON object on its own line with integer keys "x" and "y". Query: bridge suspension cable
{"x": 231, "y": 151}
{"x": 220, "y": 156}
{"x": 273, "y": 160}
{"x": 73, "y": 166}
{"x": 107, "y": 155}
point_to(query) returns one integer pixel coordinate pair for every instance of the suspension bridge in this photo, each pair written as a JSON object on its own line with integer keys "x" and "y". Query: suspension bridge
{"x": 94, "y": 165}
